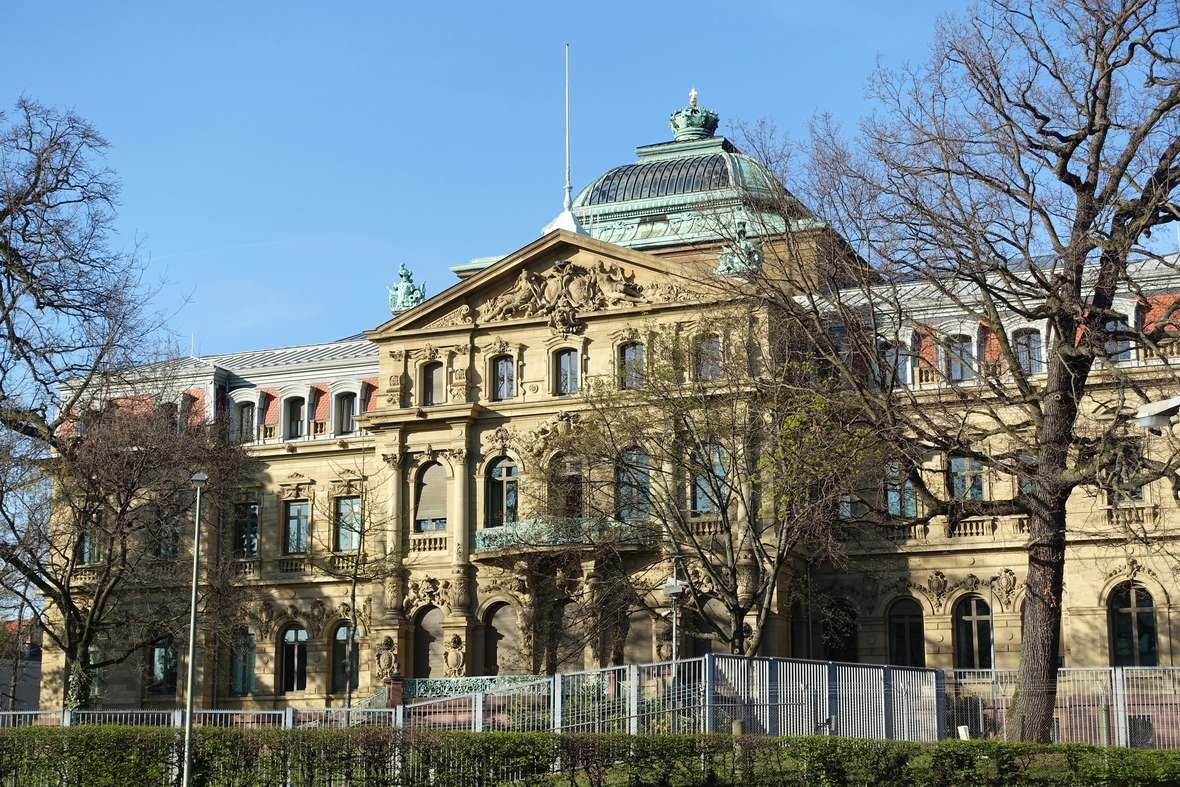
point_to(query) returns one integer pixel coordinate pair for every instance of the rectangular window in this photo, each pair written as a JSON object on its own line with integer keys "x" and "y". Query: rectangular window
{"x": 709, "y": 359}
{"x": 567, "y": 372}
{"x": 1028, "y": 352}
{"x": 244, "y": 423}
{"x": 1118, "y": 349}
{"x": 241, "y": 665}
{"x": 634, "y": 485}
{"x": 966, "y": 479}
{"x": 1119, "y": 476}
{"x": 631, "y": 365}
{"x": 246, "y": 530}
{"x": 162, "y": 669}
{"x": 901, "y": 499}
{"x": 505, "y": 386}
{"x": 960, "y": 358}
{"x": 348, "y": 523}
{"x": 432, "y": 385}
{"x": 296, "y": 535}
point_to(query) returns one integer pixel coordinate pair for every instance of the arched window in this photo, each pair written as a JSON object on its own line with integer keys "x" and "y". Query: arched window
{"x": 634, "y": 485}
{"x": 960, "y": 358}
{"x": 907, "y": 644}
{"x": 432, "y": 384}
{"x": 244, "y": 422}
{"x": 568, "y": 491}
{"x": 295, "y": 417}
{"x": 973, "y": 634}
{"x": 346, "y": 413}
{"x": 1027, "y": 346}
{"x": 241, "y": 663}
{"x": 503, "y": 378}
{"x": 162, "y": 669}
{"x": 344, "y": 662}
{"x": 293, "y": 660}
{"x": 565, "y": 367}
{"x": 502, "y": 493}
{"x": 841, "y": 634}
{"x": 631, "y": 365}
{"x": 710, "y": 487}
{"x": 708, "y": 359}
{"x": 1133, "y": 641}
{"x": 430, "y": 506}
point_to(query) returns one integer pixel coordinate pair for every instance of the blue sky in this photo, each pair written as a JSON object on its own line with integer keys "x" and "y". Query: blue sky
{"x": 279, "y": 160}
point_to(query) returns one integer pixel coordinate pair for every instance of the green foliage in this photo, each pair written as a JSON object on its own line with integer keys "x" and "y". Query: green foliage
{"x": 91, "y": 756}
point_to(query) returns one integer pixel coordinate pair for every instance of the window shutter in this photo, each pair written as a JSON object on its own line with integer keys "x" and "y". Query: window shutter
{"x": 432, "y": 494}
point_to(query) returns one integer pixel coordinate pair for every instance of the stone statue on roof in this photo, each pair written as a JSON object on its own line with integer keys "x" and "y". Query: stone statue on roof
{"x": 404, "y": 295}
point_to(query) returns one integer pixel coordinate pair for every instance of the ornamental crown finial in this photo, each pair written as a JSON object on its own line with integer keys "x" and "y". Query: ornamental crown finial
{"x": 693, "y": 122}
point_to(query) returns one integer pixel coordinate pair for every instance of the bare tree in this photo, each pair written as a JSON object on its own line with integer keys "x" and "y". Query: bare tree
{"x": 1015, "y": 178}
{"x": 352, "y": 549}
{"x": 724, "y": 455}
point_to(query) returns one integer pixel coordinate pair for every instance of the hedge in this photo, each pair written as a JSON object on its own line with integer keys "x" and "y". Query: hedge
{"x": 93, "y": 756}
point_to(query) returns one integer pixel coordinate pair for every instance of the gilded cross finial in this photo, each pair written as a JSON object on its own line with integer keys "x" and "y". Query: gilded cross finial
{"x": 692, "y": 97}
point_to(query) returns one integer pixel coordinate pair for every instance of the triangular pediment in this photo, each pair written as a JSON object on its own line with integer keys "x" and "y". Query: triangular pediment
{"x": 558, "y": 278}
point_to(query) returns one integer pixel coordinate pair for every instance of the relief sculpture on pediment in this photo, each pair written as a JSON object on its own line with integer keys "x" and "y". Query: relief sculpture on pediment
{"x": 567, "y": 289}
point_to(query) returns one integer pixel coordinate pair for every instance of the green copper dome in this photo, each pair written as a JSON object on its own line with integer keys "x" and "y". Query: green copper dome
{"x": 678, "y": 190}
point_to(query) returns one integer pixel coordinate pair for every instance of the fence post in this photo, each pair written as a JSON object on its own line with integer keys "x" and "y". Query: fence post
{"x": 67, "y": 718}
{"x": 887, "y": 690}
{"x": 633, "y": 699}
{"x": 709, "y": 668}
{"x": 289, "y": 719}
{"x": 399, "y": 715}
{"x": 940, "y": 704}
{"x": 1118, "y": 687}
{"x": 178, "y": 718}
{"x": 556, "y": 702}
{"x": 477, "y": 706}
{"x": 833, "y": 688}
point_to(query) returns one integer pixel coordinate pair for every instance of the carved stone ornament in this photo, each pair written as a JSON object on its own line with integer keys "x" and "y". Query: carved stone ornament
{"x": 428, "y": 591}
{"x": 514, "y": 584}
{"x": 428, "y": 455}
{"x": 428, "y": 352}
{"x": 265, "y": 619}
{"x": 457, "y": 456}
{"x": 461, "y": 588}
{"x": 454, "y": 660}
{"x": 394, "y": 460}
{"x": 462, "y": 349}
{"x": 460, "y": 316}
{"x": 538, "y": 439}
{"x": 296, "y": 486}
{"x": 664, "y": 644}
{"x": 499, "y": 346}
{"x": 1005, "y": 587}
{"x": 397, "y": 355}
{"x": 936, "y": 588}
{"x": 498, "y": 441}
{"x": 563, "y": 291}
{"x": 385, "y": 659}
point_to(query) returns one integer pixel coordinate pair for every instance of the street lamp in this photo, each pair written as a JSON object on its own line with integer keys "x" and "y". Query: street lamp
{"x": 1157, "y": 415}
{"x": 198, "y": 480}
{"x": 673, "y": 588}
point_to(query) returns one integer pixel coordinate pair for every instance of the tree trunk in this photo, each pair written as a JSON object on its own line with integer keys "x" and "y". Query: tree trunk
{"x": 79, "y": 678}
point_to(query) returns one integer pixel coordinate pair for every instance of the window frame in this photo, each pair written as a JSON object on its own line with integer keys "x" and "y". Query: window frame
{"x": 304, "y": 527}
{"x": 960, "y": 367}
{"x": 243, "y": 530}
{"x": 1034, "y": 354}
{"x": 972, "y": 471}
{"x": 163, "y": 683}
{"x": 910, "y": 644}
{"x": 433, "y": 395}
{"x": 339, "y": 648}
{"x": 566, "y": 371}
{"x": 503, "y": 492}
{"x": 704, "y": 478}
{"x": 338, "y": 529}
{"x": 503, "y": 376}
{"x": 963, "y": 624}
{"x": 631, "y": 370}
{"x": 243, "y": 656}
{"x": 712, "y": 356}
{"x": 1134, "y": 613}
{"x": 292, "y": 660}
{"x": 633, "y": 473}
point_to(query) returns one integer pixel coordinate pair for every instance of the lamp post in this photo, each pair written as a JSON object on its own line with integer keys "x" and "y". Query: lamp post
{"x": 673, "y": 588}
{"x": 198, "y": 480}
{"x": 991, "y": 624}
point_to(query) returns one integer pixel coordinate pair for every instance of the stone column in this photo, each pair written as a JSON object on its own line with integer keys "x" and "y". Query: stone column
{"x": 459, "y": 524}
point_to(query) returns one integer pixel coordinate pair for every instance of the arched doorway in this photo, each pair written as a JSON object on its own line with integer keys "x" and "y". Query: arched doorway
{"x": 428, "y": 644}
{"x": 501, "y": 641}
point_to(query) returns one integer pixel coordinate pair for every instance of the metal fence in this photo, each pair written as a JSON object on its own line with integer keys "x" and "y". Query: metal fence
{"x": 1118, "y": 706}
{"x": 1104, "y": 706}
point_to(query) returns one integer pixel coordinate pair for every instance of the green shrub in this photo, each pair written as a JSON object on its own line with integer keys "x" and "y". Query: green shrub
{"x": 92, "y": 756}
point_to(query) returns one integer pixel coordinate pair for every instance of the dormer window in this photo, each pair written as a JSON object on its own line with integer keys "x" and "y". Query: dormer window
{"x": 296, "y": 419}
{"x": 346, "y": 413}
{"x": 244, "y": 422}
